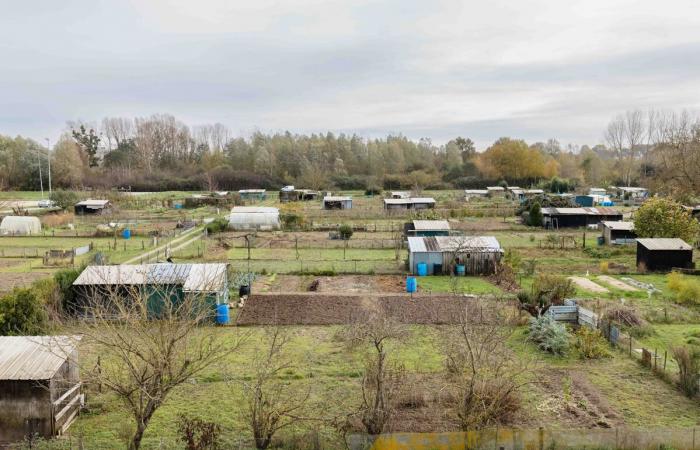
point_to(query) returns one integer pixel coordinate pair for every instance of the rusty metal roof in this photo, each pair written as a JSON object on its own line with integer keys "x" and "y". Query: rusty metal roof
{"x": 34, "y": 357}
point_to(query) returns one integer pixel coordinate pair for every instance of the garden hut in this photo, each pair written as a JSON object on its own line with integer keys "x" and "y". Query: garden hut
{"x": 577, "y": 217}
{"x": 409, "y": 203}
{"x": 476, "y": 255}
{"x": 40, "y": 385}
{"x": 252, "y": 194}
{"x": 618, "y": 232}
{"x": 475, "y": 193}
{"x": 297, "y": 195}
{"x": 92, "y": 207}
{"x": 249, "y": 218}
{"x": 337, "y": 202}
{"x": 20, "y": 225}
{"x": 400, "y": 194}
{"x": 496, "y": 191}
{"x": 428, "y": 228}
{"x": 663, "y": 254}
{"x": 153, "y": 282}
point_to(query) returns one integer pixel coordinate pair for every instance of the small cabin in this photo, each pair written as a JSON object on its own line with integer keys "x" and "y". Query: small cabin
{"x": 337, "y": 202}
{"x": 664, "y": 254}
{"x": 475, "y": 193}
{"x": 297, "y": 195}
{"x": 555, "y": 218}
{"x": 39, "y": 386}
{"x": 597, "y": 191}
{"x": 254, "y": 195}
{"x": 428, "y": 228}
{"x": 441, "y": 255}
{"x": 409, "y": 203}
{"x": 618, "y": 232}
{"x": 400, "y": 194}
{"x": 496, "y": 191}
{"x": 92, "y": 207}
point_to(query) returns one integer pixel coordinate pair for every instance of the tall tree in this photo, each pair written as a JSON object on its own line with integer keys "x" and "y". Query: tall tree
{"x": 89, "y": 142}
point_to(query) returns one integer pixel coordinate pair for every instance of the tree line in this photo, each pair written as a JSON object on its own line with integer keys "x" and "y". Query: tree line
{"x": 653, "y": 149}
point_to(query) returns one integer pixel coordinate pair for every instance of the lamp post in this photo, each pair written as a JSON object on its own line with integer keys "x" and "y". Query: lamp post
{"x": 48, "y": 157}
{"x": 41, "y": 178}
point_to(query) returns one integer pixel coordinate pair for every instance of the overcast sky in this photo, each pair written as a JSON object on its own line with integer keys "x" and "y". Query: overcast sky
{"x": 522, "y": 68}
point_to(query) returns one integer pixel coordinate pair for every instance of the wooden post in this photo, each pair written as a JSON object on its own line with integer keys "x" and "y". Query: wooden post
{"x": 630, "y": 345}
{"x": 541, "y": 438}
{"x": 665, "y": 356}
{"x": 654, "y": 359}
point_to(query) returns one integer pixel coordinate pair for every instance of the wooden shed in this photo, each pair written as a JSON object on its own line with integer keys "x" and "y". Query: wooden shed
{"x": 427, "y": 228}
{"x": 92, "y": 207}
{"x": 409, "y": 203}
{"x": 255, "y": 195}
{"x": 664, "y": 254}
{"x": 39, "y": 386}
{"x": 556, "y": 218}
{"x": 479, "y": 255}
{"x": 337, "y": 202}
{"x": 618, "y": 232}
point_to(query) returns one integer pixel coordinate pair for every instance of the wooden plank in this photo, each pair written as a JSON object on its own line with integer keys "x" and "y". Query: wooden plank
{"x": 66, "y": 394}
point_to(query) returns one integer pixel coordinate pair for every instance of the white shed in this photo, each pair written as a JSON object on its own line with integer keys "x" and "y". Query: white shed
{"x": 244, "y": 218}
{"x": 20, "y": 225}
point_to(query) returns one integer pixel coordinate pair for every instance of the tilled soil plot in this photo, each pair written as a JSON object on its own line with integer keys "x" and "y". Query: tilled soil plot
{"x": 333, "y": 309}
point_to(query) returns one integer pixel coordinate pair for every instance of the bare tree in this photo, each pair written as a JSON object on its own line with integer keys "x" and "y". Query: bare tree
{"x": 117, "y": 130}
{"x": 615, "y": 137}
{"x": 381, "y": 379}
{"x": 634, "y": 135}
{"x": 485, "y": 374}
{"x": 150, "y": 339}
{"x": 272, "y": 403}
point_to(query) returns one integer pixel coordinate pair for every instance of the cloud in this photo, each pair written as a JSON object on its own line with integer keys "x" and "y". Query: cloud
{"x": 533, "y": 69}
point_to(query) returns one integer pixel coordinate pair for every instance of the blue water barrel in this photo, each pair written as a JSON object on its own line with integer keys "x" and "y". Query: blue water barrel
{"x": 422, "y": 269}
{"x": 411, "y": 284}
{"x": 460, "y": 269}
{"x": 126, "y": 233}
{"x": 222, "y": 314}
{"x": 178, "y": 205}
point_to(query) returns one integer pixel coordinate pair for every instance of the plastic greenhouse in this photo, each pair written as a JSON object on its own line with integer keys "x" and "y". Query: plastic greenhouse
{"x": 20, "y": 225}
{"x": 254, "y": 218}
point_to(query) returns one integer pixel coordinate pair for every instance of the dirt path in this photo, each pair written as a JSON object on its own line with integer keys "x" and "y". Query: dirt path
{"x": 614, "y": 282}
{"x": 589, "y": 285}
{"x": 175, "y": 244}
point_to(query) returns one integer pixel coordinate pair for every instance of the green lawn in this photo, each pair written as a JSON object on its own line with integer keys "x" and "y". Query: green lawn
{"x": 464, "y": 285}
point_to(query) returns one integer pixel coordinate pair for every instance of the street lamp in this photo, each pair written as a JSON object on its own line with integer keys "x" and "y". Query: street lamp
{"x": 41, "y": 178}
{"x": 48, "y": 157}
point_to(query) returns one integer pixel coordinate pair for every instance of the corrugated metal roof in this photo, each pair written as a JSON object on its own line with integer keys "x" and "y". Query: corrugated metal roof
{"x": 34, "y": 357}
{"x": 431, "y": 225}
{"x": 495, "y": 188}
{"x": 476, "y": 191}
{"x": 473, "y": 244}
{"x": 597, "y": 211}
{"x": 336, "y": 198}
{"x": 618, "y": 225}
{"x": 664, "y": 244}
{"x": 254, "y": 210}
{"x": 408, "y": 201}
{"x": 251, "y": 191}
{"x": 193, "y": 277}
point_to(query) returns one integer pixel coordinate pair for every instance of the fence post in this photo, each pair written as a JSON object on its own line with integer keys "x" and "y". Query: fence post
{"x": 541, "y": 438}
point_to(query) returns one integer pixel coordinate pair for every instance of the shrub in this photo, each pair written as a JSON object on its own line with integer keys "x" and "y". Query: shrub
{"x": 688, "y": 360}
{"x": 552, "y": 288}
{"x": 64, "y": 282}
{"x": 663, "y": 217}
{"x": 198, "y": 434}
{"x": 534, "y": 218}
{"x": 604, "y": 267}
{"x": 22, "y": 313}
{"x": 345, "y": 231}
{"x": 292, "y": 221}
{"x": 549, "y": 335}
{"x": 217, "y": 226}
{"x": 686, "y": 290}
{"x": 590, "y": 344}
{"x": 64, "y": 199}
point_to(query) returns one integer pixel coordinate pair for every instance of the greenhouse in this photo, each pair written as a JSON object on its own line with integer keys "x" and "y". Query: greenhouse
{"x": 20, "y": 225}
{"x": 244, "y": 218}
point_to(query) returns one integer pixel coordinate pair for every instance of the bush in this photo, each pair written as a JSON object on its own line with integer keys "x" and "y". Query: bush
{"x": 549, "y": 335}
{"x": 590, "y": 344}
{"x": 664, "y": 218}
{"x": 22, "y": 313}
{"x": 64, "y": 283}
{"x": 64, "y": 199}
{"x": 688, "y": 360}
{"x": 198, "y": 434}
{"x": 292, "y": 221}
{"x": 217, "y": 226}
{"x": 685, "y": 289}
{"x": 345, "y": 231}
{"x": 534, "y": 218}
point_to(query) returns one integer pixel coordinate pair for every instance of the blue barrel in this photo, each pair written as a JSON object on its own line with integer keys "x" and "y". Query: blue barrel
{"x": 601, "y": 240}
{"x": 422, "y": 269}
{"x": 460, "y": 270}
{"x": 178, "y": 205}
{"x": 126, "y": 233}
{"x": 222, "y": 314}
{"x": 411, "y": 284}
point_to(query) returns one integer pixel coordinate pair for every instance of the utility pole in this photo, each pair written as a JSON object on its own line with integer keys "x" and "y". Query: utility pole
{"x": 48, "y": 157}
{"x": 41, "y": 178}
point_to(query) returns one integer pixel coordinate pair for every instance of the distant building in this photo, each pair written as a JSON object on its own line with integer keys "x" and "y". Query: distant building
{"x": 663, "y": 254}
{"x": 597, "y": 191}
{"x": 409, "y": 203}
{"x": 630, "y": 195}
{"x": 478, "y": 255}
{"x": 428, "y": 228}
{"x": 92, "y": 207}
{"x": 252, "y": 194}
{"x": 400, "y": 194}
{"x": 618, "y": 232}
{"x": 297, "y": 195}
{"x": 20, "y": 225}
{"x": 247, "y": 218}
{"x": 337, "y": 202}
{"x": 39, "y": 386}
{"x": 154, "y": 281}
{"x": 577, "y": 217}
{"x": 475, "y": 193}
{"x": 523, "y": 194}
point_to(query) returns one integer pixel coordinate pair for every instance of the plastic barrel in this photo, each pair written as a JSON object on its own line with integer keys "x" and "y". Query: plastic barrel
{"x": 222, "y": 314}
{"x": 422, "y": 269}
{"x": 126, "y": 233}
{"x": 460, "y": 269}
{"x": 437, "y": 269}
{"x": 411, "y": 284}
{"x": 601, "y": 240}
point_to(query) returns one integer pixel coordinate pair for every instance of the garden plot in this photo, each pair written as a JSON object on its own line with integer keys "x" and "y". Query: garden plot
{"x": 589, "y": 285}
{"x": 618, "y": 284}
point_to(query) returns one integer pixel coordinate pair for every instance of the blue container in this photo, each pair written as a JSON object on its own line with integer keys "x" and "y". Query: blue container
{"x": 422, "y": 269}
{"x": 178, "y": 205}
{"x": 460, "y": 270}
{"x": 411, "y": 284}
{"x": 126, "y": 233}
{"x": 222, "y": 314}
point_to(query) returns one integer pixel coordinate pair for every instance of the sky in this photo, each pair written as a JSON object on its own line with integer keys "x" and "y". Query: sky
{"x": 530, "y": 69}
